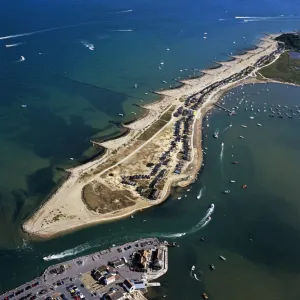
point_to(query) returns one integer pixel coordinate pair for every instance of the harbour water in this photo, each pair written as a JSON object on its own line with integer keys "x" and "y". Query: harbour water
{"x": 72, "y": 93}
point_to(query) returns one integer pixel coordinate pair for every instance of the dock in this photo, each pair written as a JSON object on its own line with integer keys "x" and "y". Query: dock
{"x": 117, "y": 271}
{"x": 224, "y": 108}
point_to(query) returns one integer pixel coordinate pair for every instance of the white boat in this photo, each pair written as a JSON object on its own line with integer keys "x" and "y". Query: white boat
{"x": 226, "y": 192}
{"x": 23, "y": 105}
{"x": 179, "y": 198}
{"x": 121, "y": 115}
{"x": 163, "y": 81}
{"x": 135, "y": 86}
{"x": 251, "y": 118}
{"x": 232, "y": 181}
{"x": 22, "y": 58}
{"x": 244, "y": 126}
{"x": 241, "y": 137}
{"x": 193, "y": 268}
{"x": 222, "y": 257}
{"x": 212, "y": 206}
{"x": 258, "y": 124}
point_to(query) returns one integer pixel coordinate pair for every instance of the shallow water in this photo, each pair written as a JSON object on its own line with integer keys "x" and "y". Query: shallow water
{"x": 73, "y": 93}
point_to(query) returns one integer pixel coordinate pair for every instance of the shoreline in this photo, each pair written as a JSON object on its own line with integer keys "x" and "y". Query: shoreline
{"x": 155, "y": 110}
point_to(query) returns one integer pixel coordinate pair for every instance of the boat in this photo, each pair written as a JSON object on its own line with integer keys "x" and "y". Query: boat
{"x": 226, "y": 192}
{"x": 241, "y": 137}
{"x": 212, "y": 206}
{"x": 232, "y": 181}
{"x": 24, "y": 105}
{"x": 244, "y": 186}
{"x": 132, "y": 217}
{"x": 212, "y": 266}
{"x": 204, "y": 295}
{"x": 203, "y": 239}
{"x": 258, "y": 124}
{"x": 121, "y": 115}
{"x": 135, "y": 86}
{"x": 235, "y": 162}
{"x": 163, "y": 81}
{"x": 222, "y": 257}
{"x": 216, "y": 134}
{"x": 251, "y": 118}
{"x": 244, "y": 126}
{"x": 193, "y": 268}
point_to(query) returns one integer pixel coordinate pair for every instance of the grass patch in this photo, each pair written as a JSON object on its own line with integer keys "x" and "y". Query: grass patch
{"x": 156, "y": 126}
{"x": 101, "y": 199}
{"x": 283, "y": 69}
{"x": 168, "y": 114}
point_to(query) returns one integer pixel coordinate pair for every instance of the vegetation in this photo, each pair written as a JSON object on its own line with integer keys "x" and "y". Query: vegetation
{"x": 284, "y": 69}
{"x": 291, "y": 41}
{"x": 156, "y": 126}
{"x": 101, "y": 199}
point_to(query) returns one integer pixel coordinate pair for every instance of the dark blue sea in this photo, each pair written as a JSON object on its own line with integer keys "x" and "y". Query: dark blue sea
{"x": 68, "y": 68}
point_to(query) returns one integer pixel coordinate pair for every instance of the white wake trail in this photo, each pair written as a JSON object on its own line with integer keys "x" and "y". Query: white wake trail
{"x": 124, "y": 11}
{"x": 13, "y": 45}
{"x": 222, "y": 152}
{"x": 44, "y": 30}
{"x": 201, "y": 192}
{"x": 69, "y": 252}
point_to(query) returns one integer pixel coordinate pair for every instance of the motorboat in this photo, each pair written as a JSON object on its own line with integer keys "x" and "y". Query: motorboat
{"x": 204, "y": 295}
{"x": 222, "y": 257}
{"x": 226, "y": 192}
{"x": 216, "y": 134}
{"x": 121, "y": 115}
{"x": 241, "y": 137}
{"x": 212, "y": 267}
{"x": 244, "y": 126}
{"x": 258, "y": 124}
{"x": 251, "y": 118}
{"x": 235, "y": 162}
{"x": 244, "y": 186}
{"x": 193, "y": 268}
{"x": 232, "y": 181}
{"x": 212, "y": 206}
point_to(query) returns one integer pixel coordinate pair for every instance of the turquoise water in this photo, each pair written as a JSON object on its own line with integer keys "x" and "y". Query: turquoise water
{"x": 72, "y": 95}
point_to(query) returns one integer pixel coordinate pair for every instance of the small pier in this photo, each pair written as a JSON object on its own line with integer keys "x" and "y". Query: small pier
{"x": 224, "y": 108}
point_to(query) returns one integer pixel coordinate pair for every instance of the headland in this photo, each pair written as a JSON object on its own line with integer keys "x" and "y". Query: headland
{"x": 161, "y": 150}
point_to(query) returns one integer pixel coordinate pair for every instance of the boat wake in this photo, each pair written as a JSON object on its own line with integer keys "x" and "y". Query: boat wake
{"x": 230, "y": 125}
{"x": 199, "y": 196}
{"x": 195, "y": 276}
{"x": 13, "y": 45}
{"x": 121, "y": 30}
{"x": 81, "y": 248}
{"x": 45, "y": 30}
{"x": 66, "y": 253}
{"x": 88, "y": 45}
{"x": 124, "y": 11}
{"x": 222, "y": 151}
{"x": 258, "y": 19}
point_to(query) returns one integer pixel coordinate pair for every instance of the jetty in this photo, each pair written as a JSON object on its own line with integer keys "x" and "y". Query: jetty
{"x": 119, "y": 272}
{"x": 224, "y": 108}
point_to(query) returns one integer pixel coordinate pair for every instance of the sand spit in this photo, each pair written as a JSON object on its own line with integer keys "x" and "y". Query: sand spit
{"x": 130, "y": 155}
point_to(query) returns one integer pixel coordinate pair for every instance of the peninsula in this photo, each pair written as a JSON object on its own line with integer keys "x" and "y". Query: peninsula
{"x": 161, "y": 150}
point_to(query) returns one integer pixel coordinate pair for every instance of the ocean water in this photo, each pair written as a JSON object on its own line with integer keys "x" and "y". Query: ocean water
{"x": 82, "y": 60}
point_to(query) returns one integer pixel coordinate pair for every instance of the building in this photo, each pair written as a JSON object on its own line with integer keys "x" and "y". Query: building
{"x": 109, "y": 278}
{"x": 118, "y": 263}
{"x": 129, "y": 286}
{"x": 100, "y": 272}
{"x": 139, "y": 285}
{"x": 115, "y": 295}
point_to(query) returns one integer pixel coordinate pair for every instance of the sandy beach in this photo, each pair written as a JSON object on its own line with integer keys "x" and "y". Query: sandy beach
{"x": 65, "y": 210}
